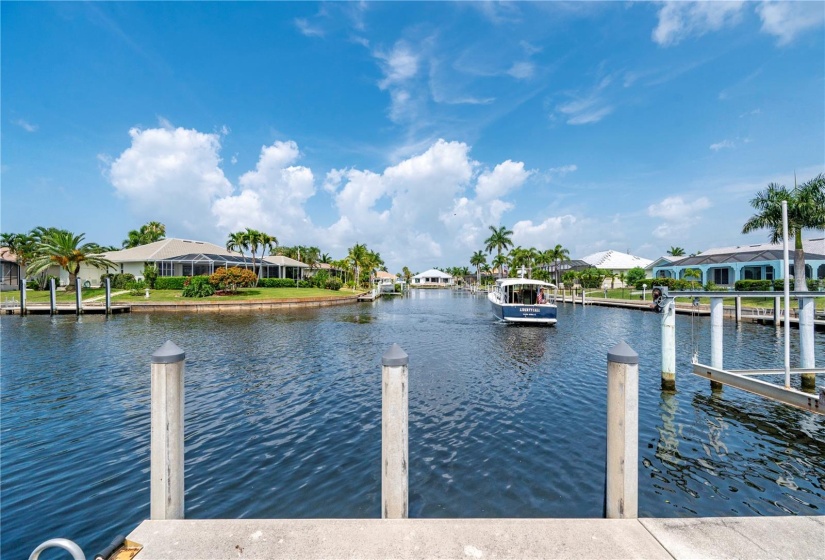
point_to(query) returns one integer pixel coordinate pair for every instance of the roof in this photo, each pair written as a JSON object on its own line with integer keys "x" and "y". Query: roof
{"x": 524, "y": 282}
{"x": 432, "y": 273}
{"x": 166, "y": 249}
{"x": 759, "y": 252}
{"x": 7, "y": 255}
{"x": 281, "y": 260}
{"x": 615, "y": 260}
{"x": 381, "y": 274}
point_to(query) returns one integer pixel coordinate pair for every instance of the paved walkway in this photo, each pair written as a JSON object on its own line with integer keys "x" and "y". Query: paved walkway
{"x": 412, "y": 539}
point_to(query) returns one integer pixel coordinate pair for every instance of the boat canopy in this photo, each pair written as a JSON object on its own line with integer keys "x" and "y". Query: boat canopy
{"x": 505, "y": 282}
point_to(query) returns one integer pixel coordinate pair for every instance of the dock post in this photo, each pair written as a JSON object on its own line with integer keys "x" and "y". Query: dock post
{"x": 717, "y": 321}
{"x": 622, "y": 487}
{"x": 583, "y": 296}
{"x": 806, "y": 340}
{"x": 166, "y": 460}
{"x": 22, "y": 296}
{"x": 777, "y": 315}
{"x": 52, "y": 297}
{"x": 738, "y": 308}
{"x": 394, "y": 445}
{"x": 78, "y": 296}
{"x": 108, "y": 283}
{"x": 669, "y": 345}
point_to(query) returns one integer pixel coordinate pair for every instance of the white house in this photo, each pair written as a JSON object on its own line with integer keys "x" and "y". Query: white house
{"x": 432, "y": 279}
{"x": 616, "y": 262}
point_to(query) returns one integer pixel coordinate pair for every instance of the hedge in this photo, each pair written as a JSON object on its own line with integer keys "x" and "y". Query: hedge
{"x": 170, "y": 282}
{"x": 276, "y": 283}
{"x": 669, "y": 283}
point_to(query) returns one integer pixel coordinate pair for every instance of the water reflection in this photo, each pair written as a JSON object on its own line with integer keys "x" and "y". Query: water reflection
{"x": 525, "y": 344}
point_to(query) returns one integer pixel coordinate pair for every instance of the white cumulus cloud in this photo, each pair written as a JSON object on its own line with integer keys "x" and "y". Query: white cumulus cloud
{"x": 787, "y": 20}
{"x": 497, "y": 183}
{"x": 722, "y": 145}
{"x": 679, "y": 20}
{"x": 678, "y": 214}
{"x": 171, "y": 175}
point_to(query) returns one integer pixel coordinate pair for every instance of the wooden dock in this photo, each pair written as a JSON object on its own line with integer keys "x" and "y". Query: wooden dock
{"x": 67, "y": 309}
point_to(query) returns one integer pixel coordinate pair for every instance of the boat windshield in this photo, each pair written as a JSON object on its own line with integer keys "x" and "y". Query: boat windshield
{"x": 526, "y": 294}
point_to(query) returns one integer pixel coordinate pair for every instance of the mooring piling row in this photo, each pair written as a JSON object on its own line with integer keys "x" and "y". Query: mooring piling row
{"x": 167, "y": 425}
{"x": 78, "y": 295}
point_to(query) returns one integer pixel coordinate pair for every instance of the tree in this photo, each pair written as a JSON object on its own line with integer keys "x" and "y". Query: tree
{"x": 24, "y": 246}
{"x": 622, "y": 276}
{"x": 498, "y": 262}
{"x": 357, "y": 257}
{"x": 693, "y": 274}
{"x": 634, "y": 275}
{"x": 806, "y": 209}
{"x": 236, "y": 242}
{"x": 148, "y": 233}
{"x": 64, "y": 249}
{"x": 500, "y": 239}
{"x": 676, "y": 251}
{"x": 559, "y": 254}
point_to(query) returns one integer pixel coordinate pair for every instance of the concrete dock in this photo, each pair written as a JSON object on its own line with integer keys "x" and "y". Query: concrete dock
{"x": 412, "y": 539}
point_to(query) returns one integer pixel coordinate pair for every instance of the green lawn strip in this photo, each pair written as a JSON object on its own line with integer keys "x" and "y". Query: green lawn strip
{"x": 42, "y": 296}
{"x": 244, "y": 294}
{"x": 728, "y": 300}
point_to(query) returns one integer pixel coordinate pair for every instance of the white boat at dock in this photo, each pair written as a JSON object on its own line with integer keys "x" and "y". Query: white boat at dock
{"x": 523, "y": 300}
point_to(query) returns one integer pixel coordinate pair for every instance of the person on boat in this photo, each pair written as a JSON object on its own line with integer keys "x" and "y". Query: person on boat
{"x": 540, "y": 297}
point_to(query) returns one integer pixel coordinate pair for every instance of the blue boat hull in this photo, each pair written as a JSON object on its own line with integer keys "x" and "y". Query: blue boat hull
{"x": 518, "y": 313}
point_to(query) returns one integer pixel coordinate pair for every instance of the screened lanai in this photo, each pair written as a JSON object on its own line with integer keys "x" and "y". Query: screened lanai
{"x": 200, "y": 264}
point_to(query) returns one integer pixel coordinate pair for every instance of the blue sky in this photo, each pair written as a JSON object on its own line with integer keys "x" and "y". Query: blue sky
{"x": 410, "y": 127}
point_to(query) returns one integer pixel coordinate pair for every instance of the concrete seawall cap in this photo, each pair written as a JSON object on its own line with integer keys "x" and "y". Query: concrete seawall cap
{"x": 169, "y": 353}
{"x": 622, "y": 354}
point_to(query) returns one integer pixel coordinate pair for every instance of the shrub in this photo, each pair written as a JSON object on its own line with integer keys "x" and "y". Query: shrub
{"x": 230, "y": 279}
{"x": 150, "y": 275}
{"x": 276, "y": 283}
{"x": 170, "y": 282}
{"x": 636, "y": 275}
{"x": 333, "y": 283}
{"x": 305, "y": 284}
{"x": 753, "y": 285}
{"x": 670, "y": 283}
{"x": 319, "y": 279}
{"x": 136, "y": 287}
{"x": 198, "y": 287}
{"x": 42, "y": 282}
{"x": 119, "y": 281}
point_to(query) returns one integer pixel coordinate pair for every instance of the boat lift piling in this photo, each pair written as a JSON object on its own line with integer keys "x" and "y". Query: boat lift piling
{"x": 52, "y": 297}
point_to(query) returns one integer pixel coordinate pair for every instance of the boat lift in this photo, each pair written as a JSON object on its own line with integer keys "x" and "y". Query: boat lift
{"x": 746, "y": 379}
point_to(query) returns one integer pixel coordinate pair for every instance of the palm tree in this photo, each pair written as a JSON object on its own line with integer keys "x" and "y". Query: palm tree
{"x": 500, "y": 239}
{"x": 477, "y": 260}
{"x": 64, "y": 249}
{"x": 357, "y": 256}
{"x": 148, "y": 233}
{"x": 693, "y": 274}
{"x": 675, "y": 251}
{"x": 806, "y": 209}
{"x": 236, "y": 242}
{"x": 268, "y": 243}
{"x": 407, "y": 274}
{"x": 24, "y": 246}
{"x": 559, "y": 254}
{"x": 622, "y": 276}
{"x": 498, "y": 262}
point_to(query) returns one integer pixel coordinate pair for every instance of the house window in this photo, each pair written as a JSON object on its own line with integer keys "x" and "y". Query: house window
{"x": 768, "y": 272}
{"x": 720, "y": 276}
{"x": 166, "y": 268}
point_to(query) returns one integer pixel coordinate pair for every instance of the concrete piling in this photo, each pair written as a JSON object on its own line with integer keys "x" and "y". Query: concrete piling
{"x": 52, "y": 297}
{"x": 78, "y": 296}
{"x": 394, "y": 433}
{"x": 717, "y": 320}
{"x": 108, "y": 284}
{"x": 622, "y": 486}
{"x": 738, "y": 309}
{"x": 22, "y": 296}
{"x": 166, "y": 470}
{"x": 806, "y": 341}
{"x": 777, "y": 311}
{"x": 669, "y": 345}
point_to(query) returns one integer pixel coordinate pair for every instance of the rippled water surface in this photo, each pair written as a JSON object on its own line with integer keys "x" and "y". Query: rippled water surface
{"x": 283, "y": 418}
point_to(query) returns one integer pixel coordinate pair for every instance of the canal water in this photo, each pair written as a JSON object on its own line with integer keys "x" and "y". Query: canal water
{"x": 283, "y": 418}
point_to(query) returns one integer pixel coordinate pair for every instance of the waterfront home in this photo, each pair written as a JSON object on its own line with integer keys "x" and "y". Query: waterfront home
{"x": 432, "y": 279}
{"x": 725, "y": 265}
{"x": 10, "y": 269}
{"x": 184, "y": 257}
{"x": 616, "y": 262}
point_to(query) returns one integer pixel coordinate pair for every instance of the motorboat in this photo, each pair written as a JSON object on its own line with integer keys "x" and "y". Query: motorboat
{"x": 523, "y": 300}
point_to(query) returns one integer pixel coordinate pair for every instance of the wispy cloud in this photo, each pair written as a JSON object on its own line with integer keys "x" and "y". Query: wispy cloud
{"x": 724, "y": 144}
{"x": 679, "y": 20}
{"x": 787, "y": 20}
{"x": 587, "y": 108}
{"x": 522, "y": 70}
{"x": 25, "y": 125}
{"x": 308, "y": 29}
{"x": 679, "y": 215}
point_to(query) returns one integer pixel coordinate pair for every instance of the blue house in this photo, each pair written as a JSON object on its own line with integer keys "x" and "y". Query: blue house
{"x": 725, "y": 265}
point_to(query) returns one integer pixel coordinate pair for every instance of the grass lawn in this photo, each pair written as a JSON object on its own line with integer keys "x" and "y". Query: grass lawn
{"x": 36, "y": 296}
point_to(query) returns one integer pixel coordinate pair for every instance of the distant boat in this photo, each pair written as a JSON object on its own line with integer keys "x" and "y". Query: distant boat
{"x": 522, "y": 300}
